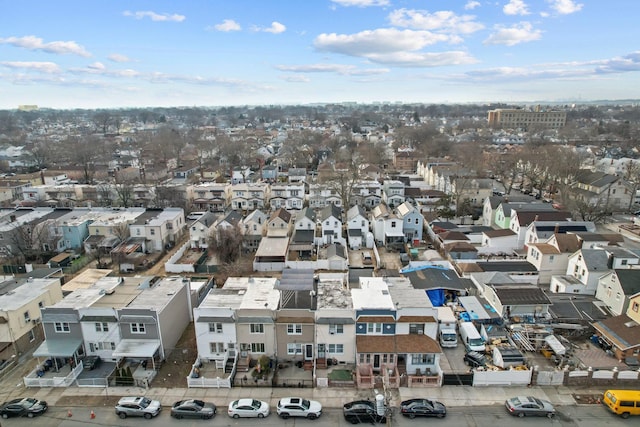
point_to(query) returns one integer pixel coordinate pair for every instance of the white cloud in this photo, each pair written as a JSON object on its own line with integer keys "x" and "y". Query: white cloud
{"x": 444, "y": 21}
{"x": 471, "y": 5}
{"x": 346, "y": 70}
{"x": 275, "y": 28}
{"x": 361, "y": 3}
{"x": 565, "y": 7}
{"x": 42, "y": 67}
{"x": 516, "y": 7}
{"x": 296, "y": 78}
{"x": 36, "y": 43}
{"x": 516, "y": 34}
{"x": 427, "y": 59}
{"x": 157, "y": 17}
{"x": 227, "y": 25}
{"x": 116, "y": 57}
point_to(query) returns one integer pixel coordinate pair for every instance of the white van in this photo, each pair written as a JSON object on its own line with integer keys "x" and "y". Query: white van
{"x": 471, "y": 337}
{"x": 447, "y": 327}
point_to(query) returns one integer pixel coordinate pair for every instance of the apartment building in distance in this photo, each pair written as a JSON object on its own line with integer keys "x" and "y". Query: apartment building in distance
{"x": 525, "y": 118}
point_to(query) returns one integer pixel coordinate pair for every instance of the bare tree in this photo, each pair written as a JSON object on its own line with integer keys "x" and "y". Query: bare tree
{"x": 40, "y": 154}
{"x": 124, "y": 192}
{"x": 34, "y": 241}
{"x": 227, "y": 244}
{"x": 102, "y": 121}
{"x": 631, "y": 174}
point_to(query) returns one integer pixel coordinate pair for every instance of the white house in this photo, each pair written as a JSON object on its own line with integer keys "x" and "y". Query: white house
{"x": 331, "y": 224}
{"x": 584, "y": 269}
{"x": 357, "y": 228}
{"x": 200, "y": 230}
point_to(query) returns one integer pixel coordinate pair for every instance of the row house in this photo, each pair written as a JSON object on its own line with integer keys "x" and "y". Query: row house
{"x": 358, "y": 229}
{"x": 367, "y": 194}
{"x": 393, "y": 193}
{"x": 130, "y": 322}
{"x": 287, "y": 196}
{"x": 249, "y": 196}
{"x": 211, "y": 197}
{"x": 387, "y": 227}
{"x": 200, "y": 230}
{"x": 412, "y": 222}
{"x": 160, "y": 227}
{"x": 303, "y": 240}
{"x": 476, "y": 190}
{"x": 395, "y": 341}
{"x": 321, "y": 196}
{"x": 253, "y": 227}
{"x": 20, "y": 303}
{"x": 429, "y": 170}
{"x": 297, "y": 175}
{"x": 330, "y": 219}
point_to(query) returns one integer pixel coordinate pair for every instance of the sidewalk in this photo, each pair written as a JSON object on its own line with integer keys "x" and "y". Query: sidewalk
{"x": 451, "y": 396}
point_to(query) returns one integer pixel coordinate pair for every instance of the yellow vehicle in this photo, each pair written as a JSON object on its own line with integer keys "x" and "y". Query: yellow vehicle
{"x": 622, "y": 402}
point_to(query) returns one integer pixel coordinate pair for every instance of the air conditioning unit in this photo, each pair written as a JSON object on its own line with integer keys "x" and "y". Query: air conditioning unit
{"x": 36, "y": 321}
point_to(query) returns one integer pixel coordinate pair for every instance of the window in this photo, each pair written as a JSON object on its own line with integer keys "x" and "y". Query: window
{"x": 102, "y": 327}
{"x": 336, "y": 348}
{"x": 152, "y": 232}
{"x": 393, "y": 224}
{"x": 257, "y": 347}
{"x": 32, "y": 335}
{"x": 215, "y": 327}
{"x": 41, "y": 304}
{"x": 216, "y": 347}
{"x": 374, "y": 328}
{"x": 257, "y": 328}
{"x": 27, "y": 318}
{"x": 634, "y": 307}
{"x": 416, "y": 328}
{"x": 336, "y": 329}
{"x": 293, "y": 348}
{"x": 137, "y": 328}
{"x": 422, "y": 359}
{"x": 61, "y": 327}
{"x": 294, "y": 329}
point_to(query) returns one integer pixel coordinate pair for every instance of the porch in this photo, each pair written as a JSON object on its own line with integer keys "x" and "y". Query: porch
{"x": 212, "y": 374}
{"x": 61, "y": 365}
{"x": 63, "y": 376}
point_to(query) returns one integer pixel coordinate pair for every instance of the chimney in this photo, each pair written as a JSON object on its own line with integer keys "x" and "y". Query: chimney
{"x": 536, "y": 218}
{"x": 557, "y": 229}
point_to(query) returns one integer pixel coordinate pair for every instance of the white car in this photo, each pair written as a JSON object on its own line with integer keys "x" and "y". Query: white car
{"x": 299, "y": 407}
{"x": 248, "y": 408}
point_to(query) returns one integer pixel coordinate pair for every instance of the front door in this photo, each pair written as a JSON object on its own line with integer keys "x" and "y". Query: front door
{"x": 231, "y": 349}
{"x": 321, "y": 351}
{"x": 308, "y": 352}
{"x": 376, "y": 361}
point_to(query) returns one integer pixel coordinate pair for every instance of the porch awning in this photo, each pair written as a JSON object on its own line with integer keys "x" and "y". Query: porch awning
{"x": 57, "y": 348}
{"x": 555, "y": 345}
{"x": 136, "y": 348}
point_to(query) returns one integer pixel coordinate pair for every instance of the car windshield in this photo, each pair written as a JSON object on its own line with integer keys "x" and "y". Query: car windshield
{"x": 199, "y": 403}
{"x": 305, "y": 404}
{"x": 449, "y": 337}
{"x": 144, "y": 402}
{"x": 515, "y": 401}
{"x": 29, "y": 402}
{"x": 255, "y": 404}
{"x": 476, "y": 341}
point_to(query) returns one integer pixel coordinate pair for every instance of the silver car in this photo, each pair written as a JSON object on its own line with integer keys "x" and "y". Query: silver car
{"x": 530, "y": 406}
{"x": 138, "y": 406}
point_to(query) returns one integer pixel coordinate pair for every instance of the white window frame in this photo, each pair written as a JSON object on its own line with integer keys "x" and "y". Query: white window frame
{"x": 294, "y": 348}
{"x": 62, "y": 327}
{"x": 256, "y": 328}
{"x": 137, "y": 328}
{"x": 216, "y": 347}
{"x": 294, "y": 329}
{"x": 335, "y": 348}
{"x": 215, "y": 327}
{"x": 336, "y": 329}
{"x": 102, "y": 327}
{"x": 257, "y": 347}
{"x": 374, "y": 328}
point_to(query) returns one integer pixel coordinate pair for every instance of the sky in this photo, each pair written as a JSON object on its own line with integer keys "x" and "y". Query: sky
{"x": 160, "y": 53}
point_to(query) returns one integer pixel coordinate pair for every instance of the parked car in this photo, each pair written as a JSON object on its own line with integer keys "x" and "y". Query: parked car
{"x": 138, "y": 406}
{"x": 530, "y": 406}
{"x": 299, "y": 407}
{"x": 23, "y": 407}
{"x": 193, "y": 408}
{"x": 422, "y": 408}
{"x": 362, "y": 411}
{"x": 248, "y": 408}
{"x": 475, "y": 359}
{"x": 91, "y": 362}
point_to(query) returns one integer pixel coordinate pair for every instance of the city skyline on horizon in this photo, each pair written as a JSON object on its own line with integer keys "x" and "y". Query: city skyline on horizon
{"x": 117, "y": 54}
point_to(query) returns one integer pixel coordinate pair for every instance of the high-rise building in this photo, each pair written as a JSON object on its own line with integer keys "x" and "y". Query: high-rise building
{"x": 525, "y": 119}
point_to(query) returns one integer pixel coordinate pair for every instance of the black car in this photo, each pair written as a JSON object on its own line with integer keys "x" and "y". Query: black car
{"x": 193, "y": 408}
{"x": 422, "y": 408}
{"x": 475, "y": 359}
{"x": 362, "y": 411}
{"x": 23, "y": 407}
{"x": 90, "y": 362}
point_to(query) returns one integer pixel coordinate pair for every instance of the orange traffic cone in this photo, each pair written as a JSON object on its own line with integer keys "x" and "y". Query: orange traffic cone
{"x": 93, "y": 414}
{"x": 69, "y": 414}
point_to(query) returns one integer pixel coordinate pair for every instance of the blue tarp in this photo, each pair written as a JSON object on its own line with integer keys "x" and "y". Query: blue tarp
{"x": 437, "y": 297}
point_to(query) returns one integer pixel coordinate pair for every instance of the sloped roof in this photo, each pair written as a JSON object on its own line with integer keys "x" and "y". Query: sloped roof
{"x": 520, "y": 295}
{"x": 629, "y": 280}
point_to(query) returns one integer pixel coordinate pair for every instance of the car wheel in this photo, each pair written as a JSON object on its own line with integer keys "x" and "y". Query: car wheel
{"x": 5, "y": 416}
{"x": 178, "y": 416}
{"x": 236, "y": 416}
{"x": 284, "y": 415}
{"x": 148, "y": 416}
{"x": 354, "y": 421}
{"x": 550, "y": 415}
{"x": 521, "y": 414}
{"x": 122, "y": 415}
{"x": 29, "y": 414}
{"x": 260, "y": 415}
{"x": 412, "y": 416}
{"x": 625, "y": 415}
{"x": 312, "y": 416}
{"x": 440, "y": 415}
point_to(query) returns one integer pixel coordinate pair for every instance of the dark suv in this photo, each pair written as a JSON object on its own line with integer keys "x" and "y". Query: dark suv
{"x": 362, "y": 411}
{"x": 475, "y": 359}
